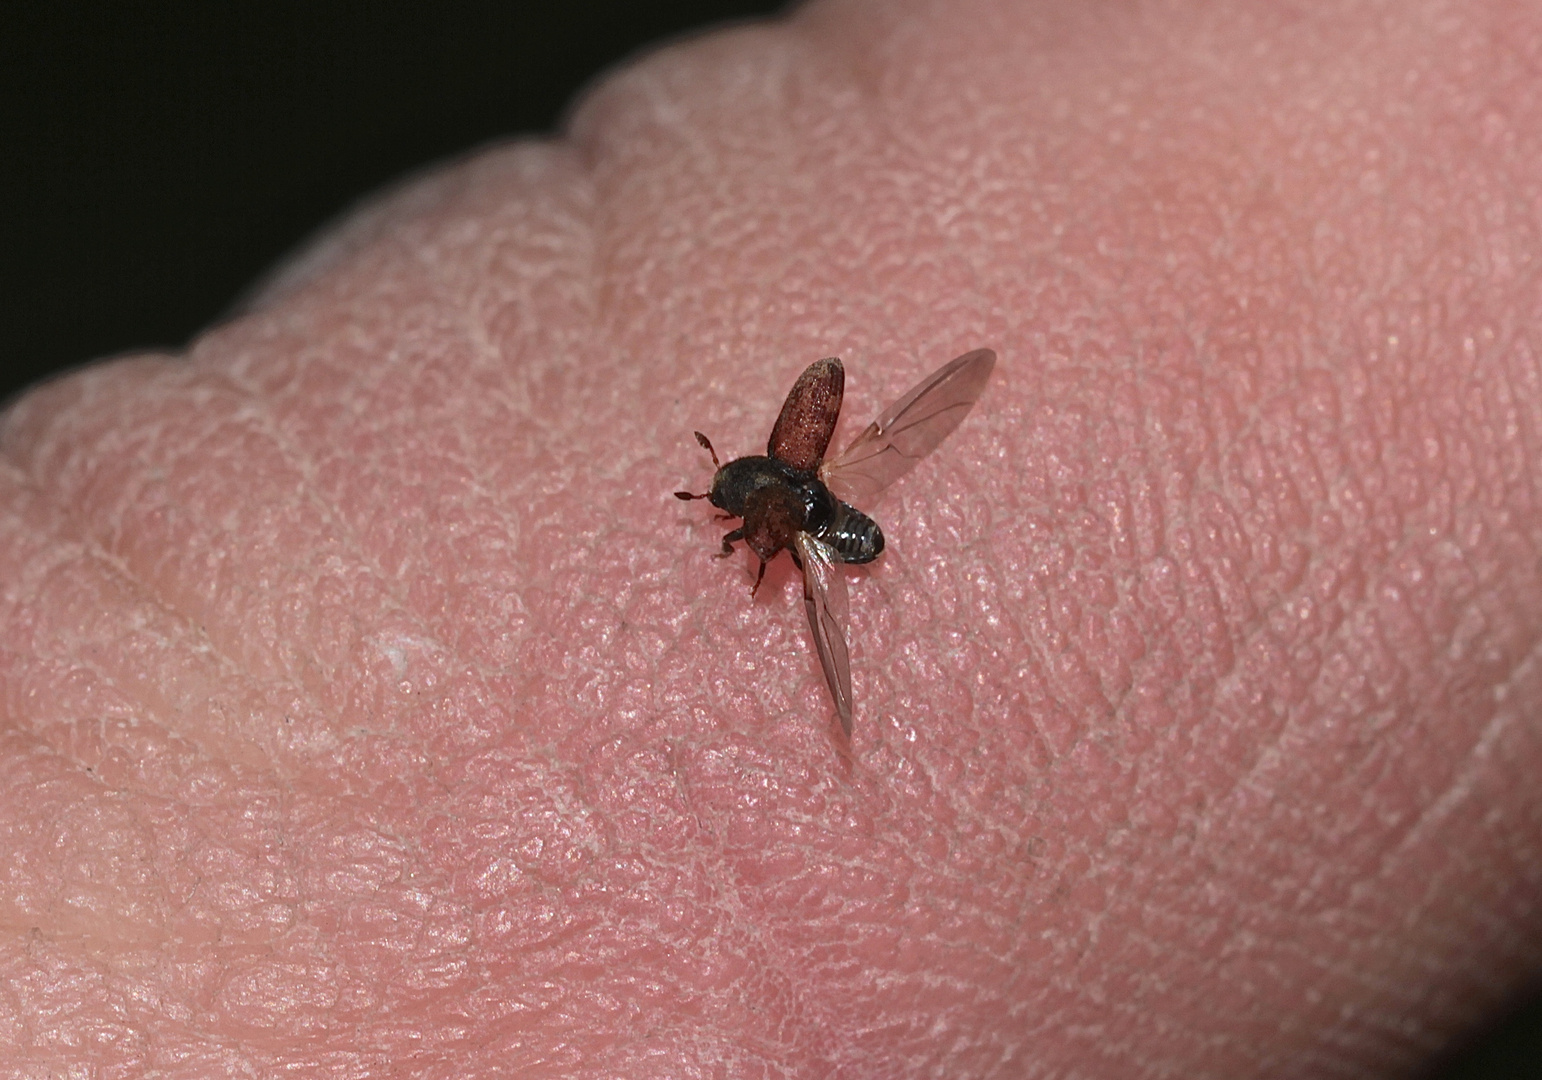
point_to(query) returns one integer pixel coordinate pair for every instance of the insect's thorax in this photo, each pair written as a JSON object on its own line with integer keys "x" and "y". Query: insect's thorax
{"x": 742, "y": 484}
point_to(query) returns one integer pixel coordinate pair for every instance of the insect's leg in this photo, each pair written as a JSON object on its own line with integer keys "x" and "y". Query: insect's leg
{"x": 758, "y": 578}
{"x": 728, "y": 544}
{"x": 688, "y": 495}
{"x": 707, "y": 445}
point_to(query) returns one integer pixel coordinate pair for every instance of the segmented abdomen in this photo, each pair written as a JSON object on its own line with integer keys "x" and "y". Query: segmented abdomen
{"x": 855, "y": 537}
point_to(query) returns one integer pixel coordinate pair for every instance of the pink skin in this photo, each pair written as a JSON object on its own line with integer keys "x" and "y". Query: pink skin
{"x": 372, "y": 709}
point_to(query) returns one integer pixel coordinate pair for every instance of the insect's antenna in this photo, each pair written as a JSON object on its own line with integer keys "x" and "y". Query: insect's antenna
{"x": 707, "y": 445}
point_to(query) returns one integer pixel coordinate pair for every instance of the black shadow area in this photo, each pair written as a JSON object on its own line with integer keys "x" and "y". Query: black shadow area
{"x": 159, "y": 156}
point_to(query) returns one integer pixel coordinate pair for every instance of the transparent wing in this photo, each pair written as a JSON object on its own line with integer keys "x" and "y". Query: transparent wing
{"x": 909, "y": 429}
{"x": 824, "y": 595}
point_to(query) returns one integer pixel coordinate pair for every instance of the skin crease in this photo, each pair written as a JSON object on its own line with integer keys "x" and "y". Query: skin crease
{"x": 371, "y": 709}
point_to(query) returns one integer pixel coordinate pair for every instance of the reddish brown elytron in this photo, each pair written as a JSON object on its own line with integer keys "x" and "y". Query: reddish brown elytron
{"x": 793, "y": 498}
{"x": 808, "y": 416}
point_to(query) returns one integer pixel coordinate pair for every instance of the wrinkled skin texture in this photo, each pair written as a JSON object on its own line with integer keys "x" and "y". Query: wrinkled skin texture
{"x": 371, "y": 709}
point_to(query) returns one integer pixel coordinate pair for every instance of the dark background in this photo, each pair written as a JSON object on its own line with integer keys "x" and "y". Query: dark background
{"x": 157, "y": 157}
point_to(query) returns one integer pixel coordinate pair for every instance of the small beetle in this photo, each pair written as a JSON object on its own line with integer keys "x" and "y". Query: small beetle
{"x": 792, "y": 498}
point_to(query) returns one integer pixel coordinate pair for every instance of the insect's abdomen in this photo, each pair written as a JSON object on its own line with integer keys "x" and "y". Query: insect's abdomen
{"x": 855, "y": 537}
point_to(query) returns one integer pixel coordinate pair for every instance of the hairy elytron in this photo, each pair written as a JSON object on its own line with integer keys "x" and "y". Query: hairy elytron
{"x": 793, "y": 498}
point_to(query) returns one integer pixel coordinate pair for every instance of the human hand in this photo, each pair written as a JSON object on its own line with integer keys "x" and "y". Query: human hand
{"x": 373, "y": 708}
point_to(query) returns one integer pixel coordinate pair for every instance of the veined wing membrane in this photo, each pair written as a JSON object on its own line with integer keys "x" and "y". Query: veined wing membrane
{"x": 824, "y": 596}
{"x": 909, "y": 429}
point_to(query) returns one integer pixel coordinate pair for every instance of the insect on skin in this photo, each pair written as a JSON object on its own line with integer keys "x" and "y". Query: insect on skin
{"x": 793, "y": 498}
